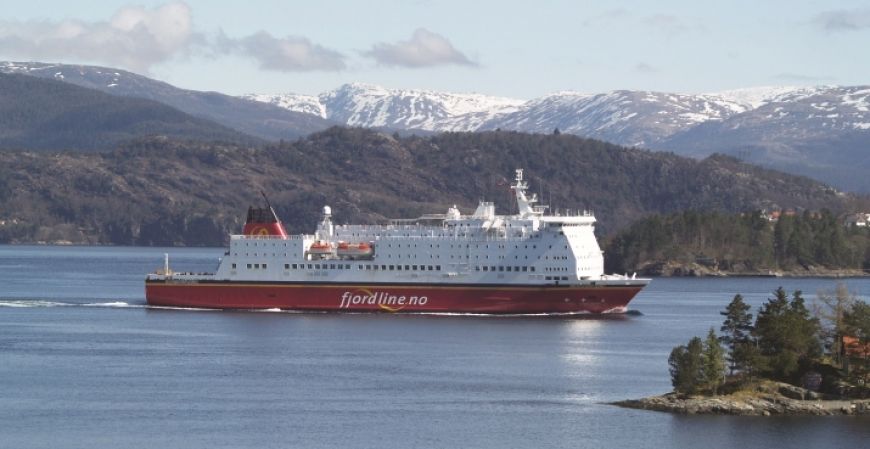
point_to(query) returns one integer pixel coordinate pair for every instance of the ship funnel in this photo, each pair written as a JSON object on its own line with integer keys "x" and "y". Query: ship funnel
{"x": 263, "y": 221}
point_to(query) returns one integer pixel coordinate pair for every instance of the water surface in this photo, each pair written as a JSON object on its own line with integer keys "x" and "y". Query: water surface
{"x": 85, "y": 363}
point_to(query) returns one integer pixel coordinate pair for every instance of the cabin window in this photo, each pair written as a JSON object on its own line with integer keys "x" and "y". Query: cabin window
{"x": 332, "y": 266}
{"x": 286, "y": 266}
{"x": 383, "y": 267}
{"x": 256, "y": 266}
{"x": 485, "y": 268}
{"x": 437, "y": 267}
{"x": 500, "y": 268}
{"x": 264, "y": 266}
{"x": 392, "y": 267}
{"x": 294, "y": 266}
{"x": 430, "y": 267}
{"x": 525, "y": 269}
{"x": 347, "y": 266}
{"x": 407, "y": 267}
{"x": 234, "y": 266}
{"x": 309, "y": 266}
{"x": 508, "y": 269}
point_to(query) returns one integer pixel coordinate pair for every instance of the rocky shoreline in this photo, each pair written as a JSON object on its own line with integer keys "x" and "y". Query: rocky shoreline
{"x": 675, "y": 269}
{"x": 782, "y": 399}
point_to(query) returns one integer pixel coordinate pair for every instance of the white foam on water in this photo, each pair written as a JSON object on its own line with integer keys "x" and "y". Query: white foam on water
{"x": 32, "y": 303}
{"x": 113, "y": 304}
{"x": 196, "y": 309}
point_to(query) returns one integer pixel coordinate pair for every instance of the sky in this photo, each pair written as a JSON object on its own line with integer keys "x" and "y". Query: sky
{"x": 518, "y": 49}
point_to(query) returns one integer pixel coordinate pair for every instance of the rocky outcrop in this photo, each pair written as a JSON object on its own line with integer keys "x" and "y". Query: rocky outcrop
{"x": 781, "y": 399}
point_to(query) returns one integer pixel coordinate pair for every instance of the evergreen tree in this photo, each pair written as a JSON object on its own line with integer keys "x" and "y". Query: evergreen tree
{"x": 686, "y": 367}
{"x": 713, "y": 359}
{"x": 787, "y": 335}
{"x": 736, "y": 332}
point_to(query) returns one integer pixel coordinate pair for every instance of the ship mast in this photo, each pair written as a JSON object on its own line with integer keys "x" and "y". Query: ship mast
{"x": 525, "y": 206}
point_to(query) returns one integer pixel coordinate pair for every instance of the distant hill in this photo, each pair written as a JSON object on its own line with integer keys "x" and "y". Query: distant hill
{"x": 42, "y": 114}
{"x": 265, "y": 121}
{"x": 822, "y": 131}
{"x": 166, "y": 192}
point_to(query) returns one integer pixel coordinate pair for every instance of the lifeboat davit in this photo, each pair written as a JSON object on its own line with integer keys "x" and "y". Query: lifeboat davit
{"x": 354, "y": 249}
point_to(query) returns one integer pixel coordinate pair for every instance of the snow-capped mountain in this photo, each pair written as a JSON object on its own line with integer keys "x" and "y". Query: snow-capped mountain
{"x": 821, "y": 131}
{"x": 371, "y": 106}
{"x": 633, "y": 118}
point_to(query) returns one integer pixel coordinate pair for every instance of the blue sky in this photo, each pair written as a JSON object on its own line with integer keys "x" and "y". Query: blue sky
{"x": 507, "y": 48}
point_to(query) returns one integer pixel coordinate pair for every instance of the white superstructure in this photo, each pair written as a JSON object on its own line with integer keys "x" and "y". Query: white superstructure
{"x": 527, "y": 248}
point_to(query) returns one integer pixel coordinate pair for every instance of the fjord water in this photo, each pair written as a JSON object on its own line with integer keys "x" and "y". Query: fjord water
{"x": 84, "y": 363}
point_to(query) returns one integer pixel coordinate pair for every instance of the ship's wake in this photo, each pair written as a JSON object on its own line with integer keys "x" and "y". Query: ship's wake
{"x": 41, "y": 303}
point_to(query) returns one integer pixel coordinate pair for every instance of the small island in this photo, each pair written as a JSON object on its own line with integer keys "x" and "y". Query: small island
{"x": 790, "y": 361}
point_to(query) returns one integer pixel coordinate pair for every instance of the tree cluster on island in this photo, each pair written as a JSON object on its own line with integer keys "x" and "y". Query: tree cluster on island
{"x": 746, "y": 242}
{"x": 786, "y": 342}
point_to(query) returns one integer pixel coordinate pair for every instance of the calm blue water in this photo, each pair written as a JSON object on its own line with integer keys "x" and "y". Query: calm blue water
{"x": 84, "y": 364}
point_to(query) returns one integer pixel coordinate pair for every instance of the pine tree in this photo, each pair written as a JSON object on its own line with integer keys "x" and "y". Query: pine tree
{"x": 686, "y": 366}
{"x": 787, "y": 334}
{"x": 736, "y": 329}
{"x": 713, "y": 359}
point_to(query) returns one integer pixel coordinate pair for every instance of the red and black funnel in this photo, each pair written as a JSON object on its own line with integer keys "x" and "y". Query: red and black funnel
{"x": 263, "y": 221}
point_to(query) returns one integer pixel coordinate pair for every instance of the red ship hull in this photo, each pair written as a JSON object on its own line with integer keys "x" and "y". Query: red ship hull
{"x": 416, "y": 298}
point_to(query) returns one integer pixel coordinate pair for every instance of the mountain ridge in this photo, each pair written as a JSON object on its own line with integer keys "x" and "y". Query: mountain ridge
{"x": 254, "y": 118}
{"x": 170, "y": 192}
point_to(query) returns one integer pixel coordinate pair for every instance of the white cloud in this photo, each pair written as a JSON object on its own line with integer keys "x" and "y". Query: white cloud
{"x": 135, "y": 37}
{"x": 642, "y": 67}
{"x": 843, "y": 20}
{"x": 289, "y": 54}
{"x": 424, "y": 49}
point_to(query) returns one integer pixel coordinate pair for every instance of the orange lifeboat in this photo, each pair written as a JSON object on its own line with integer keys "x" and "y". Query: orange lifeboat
{"x": 320, "y": 247}
{"x": 354, "y": 249}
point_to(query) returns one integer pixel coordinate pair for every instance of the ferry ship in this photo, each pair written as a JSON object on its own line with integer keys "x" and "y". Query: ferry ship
{"x": 483, "y": 263}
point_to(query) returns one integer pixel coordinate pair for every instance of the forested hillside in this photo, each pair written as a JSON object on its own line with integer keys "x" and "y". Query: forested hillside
{"x": 739, "y": 243}
{"x": 161, "y": 191}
